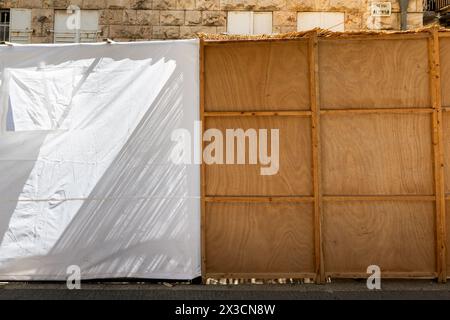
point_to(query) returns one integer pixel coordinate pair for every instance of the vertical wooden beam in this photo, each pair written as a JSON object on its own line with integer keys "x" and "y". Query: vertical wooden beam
{"x": 202, "y": 166}
{"x": 316, "y": 159}
{"x": 435, "y": 86}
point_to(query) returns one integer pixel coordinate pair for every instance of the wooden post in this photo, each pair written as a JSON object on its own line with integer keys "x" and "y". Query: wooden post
{"x": 435, "y": 86}
{"x": 316, "y": 162}
{"x": 202, "y": 166}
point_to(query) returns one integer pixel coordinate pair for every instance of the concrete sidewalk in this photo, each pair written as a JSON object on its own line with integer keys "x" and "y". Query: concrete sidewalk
{"x": 349, "y": 289}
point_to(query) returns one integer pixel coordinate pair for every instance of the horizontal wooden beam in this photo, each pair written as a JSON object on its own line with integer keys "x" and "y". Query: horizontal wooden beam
{"x": 307, "y": 113}
{"x": 304, "y": 113}
{"x": 377, "y": 110}
{"x": 335, "y": 198}
{"x": 382, "y": 198}
{"x": 389, "y": 275}
{"x": 213, "y": 42}
{"x": 260, "y": 199}
{"x": 376, "y": 36}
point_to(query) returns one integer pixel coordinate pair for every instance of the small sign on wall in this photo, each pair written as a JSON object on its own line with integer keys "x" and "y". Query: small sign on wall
{"x": 381, "y": 9}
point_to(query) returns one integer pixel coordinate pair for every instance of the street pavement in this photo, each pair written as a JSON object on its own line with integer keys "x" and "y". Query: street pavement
{"x": 337, "y": 290}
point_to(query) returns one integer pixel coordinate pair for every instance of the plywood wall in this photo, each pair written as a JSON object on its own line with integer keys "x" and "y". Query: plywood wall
{"x": 364, "y": 157}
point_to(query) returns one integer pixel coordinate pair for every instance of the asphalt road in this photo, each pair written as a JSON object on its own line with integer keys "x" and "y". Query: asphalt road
{"x": 351, "y": 289}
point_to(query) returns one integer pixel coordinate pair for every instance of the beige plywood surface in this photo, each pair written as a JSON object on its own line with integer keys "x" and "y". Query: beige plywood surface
{"x": 259, "y": 238}
{"x": 377, "y": 154}
{"x": 294, "y": 176}
{"x": 257, "y": 77}
{"x": 445, "y": 70}
{"x": 396, "y": 236}
{"x": 374, "y": 74}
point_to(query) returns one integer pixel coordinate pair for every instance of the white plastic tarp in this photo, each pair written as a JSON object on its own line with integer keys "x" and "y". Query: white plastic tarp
{"x": 86, "y": 172}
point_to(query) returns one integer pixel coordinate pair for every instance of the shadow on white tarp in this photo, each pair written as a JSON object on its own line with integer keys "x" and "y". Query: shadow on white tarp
{"x": 86, "y": 176}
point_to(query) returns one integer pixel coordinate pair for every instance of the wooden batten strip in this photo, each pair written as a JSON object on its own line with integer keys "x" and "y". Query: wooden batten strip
{"x": 380, "y": 198}
{"x": 304, "y": 113}
{"x": 435, "y": 87}
{"x": 377, "y": 111}
{"x": 231, "y": 199}
{"x": 385, "y": 275}
{"x": 313, "y": 50}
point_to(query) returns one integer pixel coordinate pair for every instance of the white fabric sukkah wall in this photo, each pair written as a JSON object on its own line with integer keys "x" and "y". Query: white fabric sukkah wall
{"x": 86, "y": 176}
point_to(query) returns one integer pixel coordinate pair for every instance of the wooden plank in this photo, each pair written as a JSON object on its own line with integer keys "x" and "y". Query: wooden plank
{"x": 294, "y": 177}
{"x": 381, "y": 198}
{"x": 377, "y": 111}
{"x": 385, "y": 275}
{"x": 374, "y": 74}
{"x": 255, "y": 238}
{"x": 213, "y": 43}
{"x": 257, "y": 77}
{"x": 437, "y": 136}
{"x": 340, "y": 198}
{"x": 447, "y": 229}
{"x": 397, "y": 236}
{"x": 316, "y": 159}
{"x": 260, "y": 199}
{"x": 445, "y": 71}
{"x": 446, "y": 148}
{"x": 376, "y": 36}
{"x": 259, "y": 114}
{"x": 377, "y": 154}
{"x": 202, "y": 166}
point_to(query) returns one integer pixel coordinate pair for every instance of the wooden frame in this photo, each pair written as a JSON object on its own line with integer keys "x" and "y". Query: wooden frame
{"x": 435, "y": 84}
{"x": 318, "y": 198}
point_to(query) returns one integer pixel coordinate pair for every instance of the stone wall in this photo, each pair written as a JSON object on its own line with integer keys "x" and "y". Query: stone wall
{"x": 124, "y": 20}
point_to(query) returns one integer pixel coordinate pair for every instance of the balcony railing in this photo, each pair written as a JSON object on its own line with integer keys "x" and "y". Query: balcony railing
{"x": 435, "y": 5}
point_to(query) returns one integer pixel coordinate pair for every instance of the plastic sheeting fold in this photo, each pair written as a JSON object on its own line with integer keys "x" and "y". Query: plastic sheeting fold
{"x": 86, "y": 176}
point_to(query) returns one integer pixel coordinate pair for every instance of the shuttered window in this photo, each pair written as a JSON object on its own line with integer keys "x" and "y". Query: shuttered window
{"x": 333, "y": 21}
{"x": 70, "y": 28}
{"x": 248, "y": 22}
{"x": 20, "y": 26}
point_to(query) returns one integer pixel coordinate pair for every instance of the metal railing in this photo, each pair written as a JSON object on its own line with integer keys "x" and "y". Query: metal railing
{"x": 435, "y": 5}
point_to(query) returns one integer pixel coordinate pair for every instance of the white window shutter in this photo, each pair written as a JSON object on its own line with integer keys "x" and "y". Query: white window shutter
{"x": 20, "y": 26}
{"x": 308, "y": 20}
{"x": 88, "y": 27}
{"x": 262, "y": 22}
{"x": 333, "y": 21}
{"x": 239, "y": 22}
{"x": 63, "y": 34}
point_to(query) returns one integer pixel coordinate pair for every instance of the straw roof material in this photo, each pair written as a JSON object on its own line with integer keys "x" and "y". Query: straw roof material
{"x": 322, "y": 33}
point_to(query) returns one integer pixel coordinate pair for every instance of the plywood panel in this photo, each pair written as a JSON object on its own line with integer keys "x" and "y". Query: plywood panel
{"x": 294, "y": 176}
{"x": 374, "y": 74}
{"x": 259, "y": 238}
{"x": 376, "y": 154}
{"x": 257, "y": 76}
{"x": 445, "y": 70}
{"x": 446, "y": 149}
{"x": 396, "y": 236}
{"x": 447, "y": 206}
